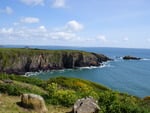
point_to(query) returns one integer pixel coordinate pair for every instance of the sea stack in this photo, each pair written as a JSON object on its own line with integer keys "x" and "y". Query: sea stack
{"x": 131, "y": 58}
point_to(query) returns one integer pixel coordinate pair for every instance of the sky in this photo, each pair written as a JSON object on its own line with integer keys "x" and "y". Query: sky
{"x": 87, "y": 23}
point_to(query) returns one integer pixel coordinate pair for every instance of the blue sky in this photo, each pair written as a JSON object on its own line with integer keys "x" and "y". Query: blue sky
{"x": 99, "y": 23}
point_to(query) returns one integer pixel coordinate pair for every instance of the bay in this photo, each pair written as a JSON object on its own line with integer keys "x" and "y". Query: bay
{"x": 132, "y": 77}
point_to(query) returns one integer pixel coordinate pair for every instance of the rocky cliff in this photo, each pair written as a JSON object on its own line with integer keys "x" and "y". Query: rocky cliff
{"x": 19, "y": 61}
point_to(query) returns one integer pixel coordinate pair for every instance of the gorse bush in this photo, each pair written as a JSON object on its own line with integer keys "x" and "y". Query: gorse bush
{"x": 61, "y": 96}
{"x": 111, "y": 103}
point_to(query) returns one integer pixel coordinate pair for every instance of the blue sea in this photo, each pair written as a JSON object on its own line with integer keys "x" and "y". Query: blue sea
{"x": 132, "y": 77}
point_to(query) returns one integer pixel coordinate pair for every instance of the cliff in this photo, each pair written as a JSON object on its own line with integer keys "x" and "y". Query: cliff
{"x": 19, "y": 61}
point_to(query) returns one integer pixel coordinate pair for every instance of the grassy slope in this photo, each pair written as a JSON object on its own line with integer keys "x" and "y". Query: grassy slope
{"x": 8, "y": 104}
{"x": 32, "y": 52}
{"x": 62, "y": 91}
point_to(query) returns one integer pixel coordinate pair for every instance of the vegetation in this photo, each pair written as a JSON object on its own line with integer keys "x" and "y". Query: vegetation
{"x": 7, "y": 52}
{"x": 9, "y": 104}
{"x": 64, "y": 91}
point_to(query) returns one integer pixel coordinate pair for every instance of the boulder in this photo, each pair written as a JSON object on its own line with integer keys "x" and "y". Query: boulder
{"x": 147, "y": 98}
{"x": 0, "y": 98}
{"x": 33, "y": 101}
{"x": 131, "y": 58}
{"x": 8, "y": 81}
{"x": 86, "y": 105}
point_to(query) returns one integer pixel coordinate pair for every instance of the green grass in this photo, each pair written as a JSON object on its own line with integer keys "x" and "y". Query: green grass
{"x": 62, "y": 91}
{"x": 8, "y": 104}
{"x": 23, "y": 51}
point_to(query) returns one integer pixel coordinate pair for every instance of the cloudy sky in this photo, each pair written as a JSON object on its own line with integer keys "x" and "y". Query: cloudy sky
{"x": 102, "y": 23}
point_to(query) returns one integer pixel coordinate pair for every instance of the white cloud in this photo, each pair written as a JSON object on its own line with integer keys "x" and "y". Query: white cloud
{"x": 101, "y": 38}
{"x": 148, "y": 39}
{"x": 30, "y": 20}
{"x": 63, "y": 35}
{"x": 42, "y": 28}
{"x": 39, "y": 32}
{"x": 73, "y": 25}
{"x": 33, "y": 2}
{"x": 59, "y": 3}
{"x": 6, "y": 31}
{"x": 42, "y": 35}
{"x": 8, "y": 10}
{"x": 125, "y": 38}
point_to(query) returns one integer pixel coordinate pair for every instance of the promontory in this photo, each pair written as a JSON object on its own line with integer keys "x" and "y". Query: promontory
{"x": 21, "y": 60}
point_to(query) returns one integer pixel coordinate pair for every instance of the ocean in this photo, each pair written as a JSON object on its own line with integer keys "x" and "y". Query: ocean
{"x": 131, "y": 77}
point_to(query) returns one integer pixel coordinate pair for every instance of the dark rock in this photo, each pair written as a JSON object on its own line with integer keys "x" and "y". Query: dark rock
{"x": 131, "y": 58}
{"x": 86, "y": 105}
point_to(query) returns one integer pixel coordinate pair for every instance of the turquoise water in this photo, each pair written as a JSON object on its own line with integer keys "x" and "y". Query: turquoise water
{"x": 132, "y": 77}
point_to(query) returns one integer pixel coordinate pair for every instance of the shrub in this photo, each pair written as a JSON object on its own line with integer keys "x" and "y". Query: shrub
{"x": 10, "y": 89}
{"x": 30, "y": 80}
{"x": 110, "y": 102}
{"x": 59, "y": 96}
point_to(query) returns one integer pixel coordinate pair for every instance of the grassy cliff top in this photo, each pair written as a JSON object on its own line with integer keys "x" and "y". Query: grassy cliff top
{"x": 32, "y": 51}
{"x": 62, "y": 91}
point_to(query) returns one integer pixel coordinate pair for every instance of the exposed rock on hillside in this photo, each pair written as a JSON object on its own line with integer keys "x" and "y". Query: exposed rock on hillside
{"x": 86, "y": 105}
{"x": 131, "y": 58}
{"x": 33, "y": 101}
{"x": 20, "y": 61}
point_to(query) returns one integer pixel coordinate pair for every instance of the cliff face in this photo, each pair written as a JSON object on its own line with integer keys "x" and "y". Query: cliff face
{"x": 19, "y": 61}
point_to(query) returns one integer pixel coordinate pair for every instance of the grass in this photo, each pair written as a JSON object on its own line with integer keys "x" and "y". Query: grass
{"x": 8, "y": 104}
{"x": 22, "y": 51}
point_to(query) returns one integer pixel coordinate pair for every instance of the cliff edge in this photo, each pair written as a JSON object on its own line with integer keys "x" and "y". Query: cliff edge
{"x": 20, "y": 61}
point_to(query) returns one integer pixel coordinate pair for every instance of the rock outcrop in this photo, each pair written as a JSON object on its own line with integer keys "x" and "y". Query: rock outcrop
{"x": 20, "y": 61}
{"x": 131, "y": 58}
{"x": 86, "y": 105}
{"x": 33, "y": 101}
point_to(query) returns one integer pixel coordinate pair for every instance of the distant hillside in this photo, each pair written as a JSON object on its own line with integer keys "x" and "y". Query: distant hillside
{"x": 64, "y": 92}
{"x": 19, "y": 61}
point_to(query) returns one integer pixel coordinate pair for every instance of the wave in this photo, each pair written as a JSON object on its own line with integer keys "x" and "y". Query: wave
{"x": 90, "y": 67}
{"x": 103, "y": 65}
{"x": 145, "y": 59}
{"x": 106, "y": 64}
{"x": 28, "y": 74}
